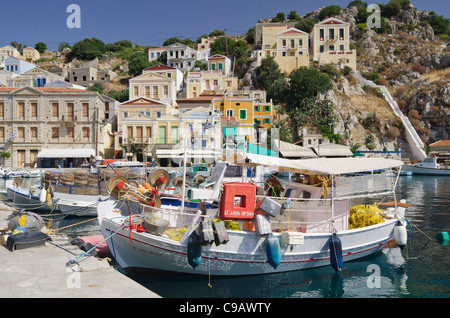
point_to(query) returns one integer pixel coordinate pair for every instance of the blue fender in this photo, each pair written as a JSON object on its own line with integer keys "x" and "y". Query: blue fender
{"x": 335, "y": 245}
{"x": 194, "y": 250}
{"x": 273, "y": 251}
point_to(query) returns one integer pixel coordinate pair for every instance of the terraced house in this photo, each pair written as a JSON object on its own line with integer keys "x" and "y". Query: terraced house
{"x": 52, "y": 126}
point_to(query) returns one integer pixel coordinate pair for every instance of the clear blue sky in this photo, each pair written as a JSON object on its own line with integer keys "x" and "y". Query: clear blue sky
{"x": 150, "y": 22}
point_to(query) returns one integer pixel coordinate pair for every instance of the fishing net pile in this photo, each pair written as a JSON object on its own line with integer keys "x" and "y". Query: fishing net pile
{"x": 364, "y": 215}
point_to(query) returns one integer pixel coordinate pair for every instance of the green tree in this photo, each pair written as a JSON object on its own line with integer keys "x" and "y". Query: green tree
{"x": 120, "y": 96}
{"x": 357, "y": 3}
{"x": 306, "y": 83}
{"x": 63, "y": 45}
{"x": 222, "y": 46}
{"x": 97, "y": 87}
{"x": 329, "y": 11}
{"x": 217, "y": 32}
{"x": 41, "y": 47}
{"x": 250, "y": 36}
{"x": 306, "y": 24}
{"x": 286, "y": 133}
{"x": 281, "y": 17}
{"x": 293, "y": 16}
{"x": 138, "y": 63}
{"x": 439, "y": 24}
{"x": 271, "y": 79}
{"x": 87, "y": 49}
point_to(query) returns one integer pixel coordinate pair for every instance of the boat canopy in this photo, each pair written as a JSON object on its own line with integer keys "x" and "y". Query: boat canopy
{"x": 323, "y": 165}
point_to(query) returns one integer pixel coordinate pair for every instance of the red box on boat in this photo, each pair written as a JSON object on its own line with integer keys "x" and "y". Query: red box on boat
{"x": 237, "y": 201}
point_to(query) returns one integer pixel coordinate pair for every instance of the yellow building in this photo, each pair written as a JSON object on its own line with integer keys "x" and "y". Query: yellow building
{"x": 153, "y": 86}
{"x": 247, "y": 112}
{"x": 330, "y": 43}
{"x": 30, "y": 54}
{"x": 209, "y": 82}
{"x": 136, "y": 125}
{"x": 288, "y": 47}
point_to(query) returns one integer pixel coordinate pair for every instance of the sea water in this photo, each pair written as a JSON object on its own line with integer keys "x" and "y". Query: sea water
{"x": 420, "y": 270}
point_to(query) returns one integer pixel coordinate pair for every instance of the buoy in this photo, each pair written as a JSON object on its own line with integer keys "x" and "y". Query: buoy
{"x": 442, "y": 237}
{"x": 194, "y": 250}
{"x": 400, "y": 234}
{"x": 335, "y": 246}
{"x": 43, "y": 195}
{"x": 273, "y": 251}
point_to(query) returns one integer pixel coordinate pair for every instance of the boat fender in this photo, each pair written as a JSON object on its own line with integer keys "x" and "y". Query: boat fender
{"x": 194, "y": 250}
{"x": 335, "y": 246}
{"x": 43, "y": 195}
{"x": 400, "y": 234}
{"x": 273, "y": 251}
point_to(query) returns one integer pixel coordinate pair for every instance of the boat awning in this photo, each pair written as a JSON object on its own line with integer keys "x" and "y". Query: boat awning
{"x": 66, "y": 153}
{"x": 289, "y": 150}
{"x": 229, "y": 131}
{"x": 323, "y": 165}
{"x": 178, "y": 152}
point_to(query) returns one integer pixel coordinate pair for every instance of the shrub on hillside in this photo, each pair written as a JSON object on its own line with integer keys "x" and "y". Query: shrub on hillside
{"x": 393, "y": 133}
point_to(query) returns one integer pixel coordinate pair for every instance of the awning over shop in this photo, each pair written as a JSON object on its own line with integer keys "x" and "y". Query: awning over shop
{"x": 333, "y": 150}
{"x": 258, "y": 150}
{"x": 66, "y": 153}
{"x": 289, "y": 150}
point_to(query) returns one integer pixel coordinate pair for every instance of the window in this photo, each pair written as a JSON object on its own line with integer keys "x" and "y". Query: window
{"x": 55, "y": 132}
{"x": 283, "y": 42}
{"x": 21, "y": 133}
{"x": 292, "y": 43}
{"x": 256, "y": 108}
{"x": 162, "y": 134}
{"x": 243, "y": 114}
{"x": 147, "y": 91}
{"x": 174, "y": 134}
{"x": 2, "y": 109}
{"x": 321, "y": 49}
{"x": 136, "y": 91}
{"x": 125, "y": 115}
{"x": 75, "y": 78}
{"x": 158, "y": 114}
{"x": 341, "y": 47}
{"x": 300, "y": 42}
{"x": 341, "y": 34}
{"x": 85, "y": 132}
{"x": 2, "y": 133}
{"x": 213, "y": 66}
{"x": 55, "y": 110}
{"x": 21, "y": 110}
{"x": 84, "y": 78}
{"x": 33, "y": 133}
{"x": 266, "y": 121}
{"x": 266, "y": 108}
{"x": 331, "y": 34}
{"x": 166, "y": 91}
{"x": 230, "y": 113}
{"x": 71, "y": 134}
{"x": 220, "y": 66}
{"x": 155, "y": 92}
{"x": 85, "y": 109}
{"x": 70, "y": 111}
{"x": 331, "y": 47}
{"x": 33, "y": 110}
{"x": 148, "y": 131}
{"x": 321, "y": 34}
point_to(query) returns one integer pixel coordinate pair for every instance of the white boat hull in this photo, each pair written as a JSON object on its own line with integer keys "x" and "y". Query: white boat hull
{"x": 74, "y": 204}
{"x": 244, "y": 254}
{"x": 427, "y": 171}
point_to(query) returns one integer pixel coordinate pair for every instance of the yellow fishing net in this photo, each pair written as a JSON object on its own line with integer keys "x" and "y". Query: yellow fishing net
{"x": 364, "y": 215}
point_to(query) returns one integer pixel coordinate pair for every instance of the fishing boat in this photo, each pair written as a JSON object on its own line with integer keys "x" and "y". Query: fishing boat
{"x": 76, "y": 192}
{"x": 429, "y": 166}
{"x": 317, "y": 222}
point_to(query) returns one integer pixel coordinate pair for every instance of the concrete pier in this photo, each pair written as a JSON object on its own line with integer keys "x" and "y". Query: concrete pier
{"x": 44, "y": 271}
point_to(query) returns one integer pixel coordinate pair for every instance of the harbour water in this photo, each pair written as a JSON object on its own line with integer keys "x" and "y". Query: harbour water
{"x": 420, "y": 270}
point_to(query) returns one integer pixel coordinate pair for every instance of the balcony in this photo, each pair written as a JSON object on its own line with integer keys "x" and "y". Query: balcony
{"x": 137, "y": 141}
